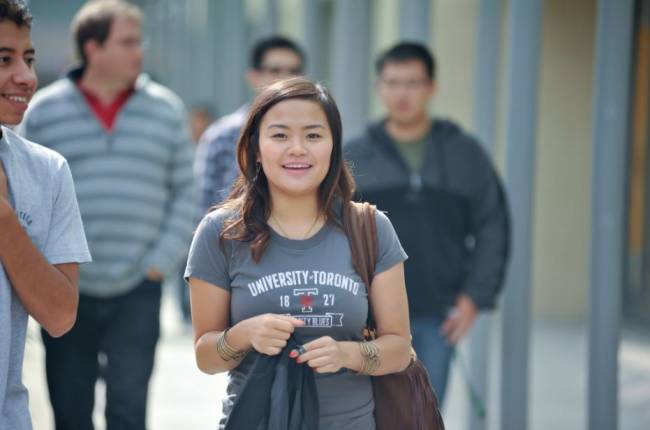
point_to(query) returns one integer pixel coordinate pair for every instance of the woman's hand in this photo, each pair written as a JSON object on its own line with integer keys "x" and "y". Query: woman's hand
{"x": 268, "y": 333}
{"x": 324, "y": 355}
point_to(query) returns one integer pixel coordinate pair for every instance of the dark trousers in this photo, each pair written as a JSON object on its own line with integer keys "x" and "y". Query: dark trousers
{"x": 125, "y": 329}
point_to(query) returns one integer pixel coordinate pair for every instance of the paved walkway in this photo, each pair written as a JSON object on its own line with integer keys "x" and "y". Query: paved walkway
{"x": 183, "y": 398}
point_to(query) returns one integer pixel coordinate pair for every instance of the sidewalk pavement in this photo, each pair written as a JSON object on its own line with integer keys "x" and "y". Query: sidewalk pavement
{"x": 181, "y": 397}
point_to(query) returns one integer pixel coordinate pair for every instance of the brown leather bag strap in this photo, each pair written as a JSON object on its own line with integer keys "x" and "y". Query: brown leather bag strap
{"x": 362, "y": 234}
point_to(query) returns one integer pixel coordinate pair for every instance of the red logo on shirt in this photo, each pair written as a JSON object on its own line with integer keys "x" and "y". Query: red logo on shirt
{"x": 307, "y": 301}
{"x": 306, "y": 297}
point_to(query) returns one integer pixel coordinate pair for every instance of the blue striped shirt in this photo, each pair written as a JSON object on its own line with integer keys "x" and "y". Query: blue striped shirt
{"x": 134, "y": 184}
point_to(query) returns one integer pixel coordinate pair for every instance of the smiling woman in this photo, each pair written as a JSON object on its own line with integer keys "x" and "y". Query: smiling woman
{"x": 295, "y": 147}
{"x": 290, "y": 156}
{"x": 273, "y": 266}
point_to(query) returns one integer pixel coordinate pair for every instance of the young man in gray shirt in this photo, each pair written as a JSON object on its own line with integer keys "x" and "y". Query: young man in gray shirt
{"x": 127, "y": 142}
{"x": 128, "y": 146}
{"x": 42, "y": 240}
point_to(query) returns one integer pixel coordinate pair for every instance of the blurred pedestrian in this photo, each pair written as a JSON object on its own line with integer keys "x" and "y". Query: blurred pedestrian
{"x": 215, "y": 167}
{"x": 127, "y": 142}
{"x": 200, "y": 117}
{"x": 446, "y": 202}
{"x": 42, "y": 240}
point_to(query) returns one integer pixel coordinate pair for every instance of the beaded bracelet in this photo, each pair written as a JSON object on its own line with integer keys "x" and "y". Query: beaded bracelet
{"x": 370, "y": 359}
{"x": 227, "y": 352}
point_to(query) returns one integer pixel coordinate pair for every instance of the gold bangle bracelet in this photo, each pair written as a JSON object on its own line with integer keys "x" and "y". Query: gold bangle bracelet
{"x": 370, "y": 358}
{"x": 227, "y": 352}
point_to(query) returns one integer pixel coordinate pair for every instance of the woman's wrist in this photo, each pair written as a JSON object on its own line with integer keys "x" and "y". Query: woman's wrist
{"x": 352, "y": 359}
{"x": 226, "y": 351}
{"x": 238, "y": 338}
{"x": 370, "y": 357}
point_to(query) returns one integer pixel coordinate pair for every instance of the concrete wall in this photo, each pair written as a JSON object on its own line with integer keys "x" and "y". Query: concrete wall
{"x": 563, "y": 195}
{"x": 563, "y": 189}
{"x": 454, "y": 43}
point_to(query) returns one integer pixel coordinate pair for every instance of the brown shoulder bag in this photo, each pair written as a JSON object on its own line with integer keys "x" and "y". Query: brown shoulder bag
{"x": 404, "y": 400}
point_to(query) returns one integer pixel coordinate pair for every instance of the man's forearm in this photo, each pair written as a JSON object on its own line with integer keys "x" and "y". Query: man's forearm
{"x": 48, "y": 294}
{"x": 489, "y": 260}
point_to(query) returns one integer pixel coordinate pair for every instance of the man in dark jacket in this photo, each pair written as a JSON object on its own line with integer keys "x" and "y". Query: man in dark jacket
{"x": 445, "y": 200}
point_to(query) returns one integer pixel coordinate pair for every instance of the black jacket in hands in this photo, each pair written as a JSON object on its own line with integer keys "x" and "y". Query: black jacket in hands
{"x": 452, "y": 218}
{"x": 279, "y": 394}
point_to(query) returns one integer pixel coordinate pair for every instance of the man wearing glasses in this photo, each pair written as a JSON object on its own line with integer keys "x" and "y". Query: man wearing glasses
{"x": 445, "y": 200}
{"x": 129, "y": 150}
{"x": 215, "y": 167}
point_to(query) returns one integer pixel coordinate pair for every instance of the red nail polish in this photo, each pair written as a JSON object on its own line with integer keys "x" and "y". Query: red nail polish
{"x": 293, "y": 354}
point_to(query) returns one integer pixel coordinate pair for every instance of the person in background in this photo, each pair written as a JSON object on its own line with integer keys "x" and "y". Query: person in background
{"x": 273, "y": 58}
{"x": 201, "y": 116}
{"x": 445, "y": 199}
{"x": 127, "y": 141}
{"x": 42, "y": 240}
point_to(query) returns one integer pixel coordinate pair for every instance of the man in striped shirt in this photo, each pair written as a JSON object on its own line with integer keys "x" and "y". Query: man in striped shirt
{"x": 127, "y": 144}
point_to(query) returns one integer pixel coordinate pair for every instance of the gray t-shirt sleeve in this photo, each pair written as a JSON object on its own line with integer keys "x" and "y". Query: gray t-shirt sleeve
{"x": 66, "y": 241}
{"x": 206, "y": 260}
{"x": 390, "y": 249}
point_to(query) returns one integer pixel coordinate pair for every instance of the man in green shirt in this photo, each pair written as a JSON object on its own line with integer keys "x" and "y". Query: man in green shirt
{"x": 445, "y": 200}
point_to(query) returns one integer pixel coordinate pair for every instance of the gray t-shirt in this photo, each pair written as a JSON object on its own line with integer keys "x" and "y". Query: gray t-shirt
{"x": 42, "y": 194}
{"x": 312, "y": 280}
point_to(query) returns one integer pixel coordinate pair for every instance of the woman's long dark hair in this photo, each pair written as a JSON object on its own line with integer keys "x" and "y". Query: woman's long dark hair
{"x": 250, "y": 202}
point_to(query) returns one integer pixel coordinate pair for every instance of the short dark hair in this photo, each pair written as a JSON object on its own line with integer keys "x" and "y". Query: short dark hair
{"x": 93, "y": 22}
{"x": 15, "y": 11}
{"x": 273, "y": 42}
{"x": 408, "y": 51}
